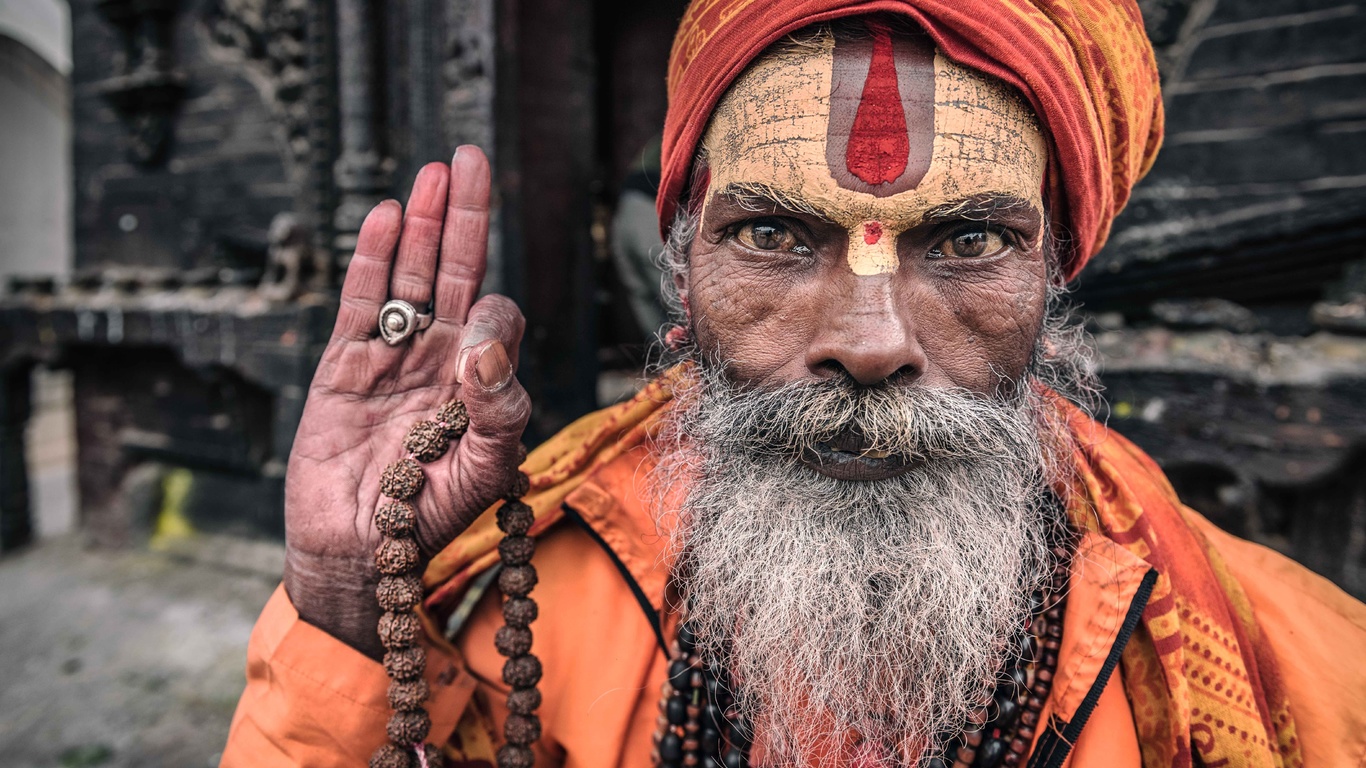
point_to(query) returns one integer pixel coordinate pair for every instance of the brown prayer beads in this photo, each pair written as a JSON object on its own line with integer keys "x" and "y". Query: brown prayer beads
{"x": 396, "y": 519}
{"x": 514, "y": 756}
{"x": 520, "y": 611}
{"x": 398, "y": 559}
{"x": 390, "y": 756}
{"x": 517, "y": 580}
{"x": 524, "y": 701}
{"x": 399, "y": 630}
{"x": 408, "y": 694}
{"x": 402, "y": 480}
{"x": 522, "y": 729}
{"x": 409, "y": 726}
{"x": 395, "y": 557}
{"x": 522, "y": 671}
{"x": 454, "y": 419}
{"x": 406, "y": 663}
{"x": 399, "y": 593}
{"x": 515, "y": 518}
{"x": 512, "y": 640}
{"x": 516, "y": 550}
{"x": 426, "y": 441}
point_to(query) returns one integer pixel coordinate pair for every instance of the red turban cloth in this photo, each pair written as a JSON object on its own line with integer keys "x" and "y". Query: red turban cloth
{"x": 1086, "y": 66}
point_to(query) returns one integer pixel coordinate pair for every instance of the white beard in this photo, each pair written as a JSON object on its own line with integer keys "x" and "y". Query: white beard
{"x": 882, "y": 608}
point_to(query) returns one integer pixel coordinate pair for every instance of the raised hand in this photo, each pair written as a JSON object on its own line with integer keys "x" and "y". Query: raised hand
{"x": 366, "y": 394}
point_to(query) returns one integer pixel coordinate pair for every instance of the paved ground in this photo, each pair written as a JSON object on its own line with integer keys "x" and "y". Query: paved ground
{"x": 121, "y": 659}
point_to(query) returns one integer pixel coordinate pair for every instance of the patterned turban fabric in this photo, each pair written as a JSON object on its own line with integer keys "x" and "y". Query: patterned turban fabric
{"x": 1086, "y": 66}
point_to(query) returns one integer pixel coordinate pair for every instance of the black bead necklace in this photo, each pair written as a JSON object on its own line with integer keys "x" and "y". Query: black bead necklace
{"x": 699, "y": 725}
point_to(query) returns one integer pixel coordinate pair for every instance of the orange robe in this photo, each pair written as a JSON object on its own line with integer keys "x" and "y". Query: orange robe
{"x": 1151, "y": 667}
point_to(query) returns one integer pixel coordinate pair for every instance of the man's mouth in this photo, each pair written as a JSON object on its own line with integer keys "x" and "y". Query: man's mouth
{"x": 847, "y": 456}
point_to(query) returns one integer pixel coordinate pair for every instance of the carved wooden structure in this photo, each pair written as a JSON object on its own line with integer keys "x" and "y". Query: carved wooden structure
{"x": 226, "y": 151}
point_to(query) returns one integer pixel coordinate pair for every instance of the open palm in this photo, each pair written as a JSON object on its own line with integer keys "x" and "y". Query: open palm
{"x": 367, "y": 394}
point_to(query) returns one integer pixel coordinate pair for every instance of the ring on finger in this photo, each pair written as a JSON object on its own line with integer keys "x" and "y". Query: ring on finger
{"x": 399, "y": 320}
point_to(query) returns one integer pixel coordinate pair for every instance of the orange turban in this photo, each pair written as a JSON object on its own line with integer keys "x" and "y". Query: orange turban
{"x": 1086, "y": 66}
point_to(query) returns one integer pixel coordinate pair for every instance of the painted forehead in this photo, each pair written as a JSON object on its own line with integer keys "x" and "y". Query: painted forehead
{"x": 880, "y": 128}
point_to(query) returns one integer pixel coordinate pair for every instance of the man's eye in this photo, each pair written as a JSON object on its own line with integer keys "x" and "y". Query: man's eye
{"x": 768, "y": 235}
{"x": 969, "y": 244}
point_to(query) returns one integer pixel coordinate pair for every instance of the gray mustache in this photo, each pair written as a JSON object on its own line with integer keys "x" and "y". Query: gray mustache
{"x": 915, "y": 422}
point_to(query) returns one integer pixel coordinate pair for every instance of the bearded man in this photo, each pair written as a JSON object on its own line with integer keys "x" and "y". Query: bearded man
{"x": 864, "y": 519}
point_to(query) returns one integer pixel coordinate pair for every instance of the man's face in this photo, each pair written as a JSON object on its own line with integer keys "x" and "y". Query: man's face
{"x": 872, "y": 208}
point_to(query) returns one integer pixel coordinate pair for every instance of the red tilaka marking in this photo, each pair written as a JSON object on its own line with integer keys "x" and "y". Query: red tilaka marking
{"x": 880, "y": 138}
{"x": 878, "y": 146}
{"x": 872, "y": 232}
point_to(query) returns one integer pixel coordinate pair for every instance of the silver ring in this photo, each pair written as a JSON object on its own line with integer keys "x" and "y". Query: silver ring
{"x": 398, "y": 320}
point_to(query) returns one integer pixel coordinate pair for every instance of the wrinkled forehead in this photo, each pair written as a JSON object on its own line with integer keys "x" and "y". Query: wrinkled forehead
{"x": 877, "y": 128}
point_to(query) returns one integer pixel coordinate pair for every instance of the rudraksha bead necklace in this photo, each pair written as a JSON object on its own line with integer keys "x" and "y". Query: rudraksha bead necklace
{"x": 399, "y": 592}
{"x": 522, "y": 670}
{"x": 699, "y": 725}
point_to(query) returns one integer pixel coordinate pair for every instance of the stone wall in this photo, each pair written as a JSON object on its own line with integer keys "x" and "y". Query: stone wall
{"x": 1229, "y": 304}
{"x": 222, "y": 171}
{"x": 1259, "y": 193}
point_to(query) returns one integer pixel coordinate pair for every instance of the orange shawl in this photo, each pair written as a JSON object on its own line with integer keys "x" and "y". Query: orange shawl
{"x": 1201, "y": 676}
{"x": 1198, "y": 674}
{"x": 1086, "y": 66}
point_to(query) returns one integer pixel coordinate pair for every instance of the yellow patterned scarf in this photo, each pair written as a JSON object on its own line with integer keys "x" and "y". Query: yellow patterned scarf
{"x": 1199, "y": 675}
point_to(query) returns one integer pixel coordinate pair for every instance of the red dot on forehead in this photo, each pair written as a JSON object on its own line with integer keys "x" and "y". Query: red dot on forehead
{"x": 880, "y": 137}
{"x": 872, "y": 232}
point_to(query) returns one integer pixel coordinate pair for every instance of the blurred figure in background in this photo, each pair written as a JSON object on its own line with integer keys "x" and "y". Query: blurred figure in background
{"x": 636, "y": 244}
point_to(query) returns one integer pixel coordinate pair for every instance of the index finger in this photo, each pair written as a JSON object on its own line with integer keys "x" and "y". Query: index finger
{"x": 465, "y": 237}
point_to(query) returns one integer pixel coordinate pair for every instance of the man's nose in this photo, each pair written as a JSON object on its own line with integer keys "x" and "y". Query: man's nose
{"x": 868, "y": 335}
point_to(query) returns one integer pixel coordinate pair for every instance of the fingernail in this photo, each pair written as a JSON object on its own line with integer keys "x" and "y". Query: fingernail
{"x": 493, "y": 367}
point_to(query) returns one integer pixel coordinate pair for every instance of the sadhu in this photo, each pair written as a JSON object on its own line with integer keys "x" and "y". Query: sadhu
{"x": 863, "y": 518}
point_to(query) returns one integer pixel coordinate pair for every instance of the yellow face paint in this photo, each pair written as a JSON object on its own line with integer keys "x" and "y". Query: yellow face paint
{"x": 774, "y": 128}
{"x": 870, "y": 251}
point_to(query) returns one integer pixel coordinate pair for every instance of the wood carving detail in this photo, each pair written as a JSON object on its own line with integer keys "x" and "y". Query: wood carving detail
{"x": 271, "y": 38}
{"x": 146, "y": 90}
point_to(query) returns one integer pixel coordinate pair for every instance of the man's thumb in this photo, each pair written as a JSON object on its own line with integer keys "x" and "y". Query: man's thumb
{"x": 499, "y": 409}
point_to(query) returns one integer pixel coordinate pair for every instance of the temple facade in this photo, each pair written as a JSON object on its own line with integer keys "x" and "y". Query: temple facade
{"x": 224, "y": 153}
